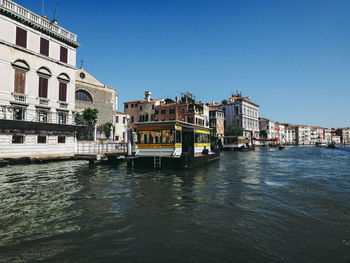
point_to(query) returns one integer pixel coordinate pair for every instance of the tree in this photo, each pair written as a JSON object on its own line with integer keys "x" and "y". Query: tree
{"x": 235, "y": 129}
{"x": 107, "y": 129}
{"x": 88, "y": 118}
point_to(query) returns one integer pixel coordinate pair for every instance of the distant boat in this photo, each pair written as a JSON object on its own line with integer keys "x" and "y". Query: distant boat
{"x": 331, "y": 145}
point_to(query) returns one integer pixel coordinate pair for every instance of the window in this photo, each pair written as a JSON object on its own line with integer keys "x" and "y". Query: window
{"x": 156, "y": 111}
{"x": 132, "y": 105}
{"x": 62, "y": 117}
{"x": 140, "y": 107}
{"x": 17, "y": 139}
{"x": 42, "y": 115}
{"x": 168, "y": 136}
{"x": 62, "y": 93}
{"x": 61, "y": 139}
{"x": 19, "y": 113}
{"x": 124, "y": 120}
{"x": 64, "y": 54}
{"x": 132, "y": 118}
{"x": 41, "y": 139}
{"x": 152, "y": 106}
{"x": 82, "y": 95}
{"x": 163, "y": 112}
{"x": 44, "y": 46}
{"x": 116, "y": 119}
{"x": 20, "y": 79}
{"x": 126, "y": 106}
{"x": 43, "y": 87}
{"x": 172, "y": 111}
{"x": 21, "y": 37}
{"x": 117, "y": 138}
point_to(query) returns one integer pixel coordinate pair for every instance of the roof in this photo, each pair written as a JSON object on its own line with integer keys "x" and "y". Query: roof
{"x": 120, "y": 112}
{"x": 215, "y": 109}
{"x": 263, "y": 119}
{"x": 140, "y": 101}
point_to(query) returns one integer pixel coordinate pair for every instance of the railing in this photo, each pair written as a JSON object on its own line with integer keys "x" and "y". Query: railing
{"x": 23, "y": 12}
{"x": 63, "y": 105}
{"x": 103, "y": 148}
{"x": 43, "y": 101}
{"x": 19, "y": 97}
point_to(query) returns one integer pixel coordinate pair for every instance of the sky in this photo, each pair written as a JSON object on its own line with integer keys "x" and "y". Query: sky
{"x": 292, "y": 57}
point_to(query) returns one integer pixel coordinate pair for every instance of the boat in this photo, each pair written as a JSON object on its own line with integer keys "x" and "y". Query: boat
{"x": 332, "y": 145}
{"x": 280, "y": 147}
{"x": 173, "y": 144}
{"x": 236, "y": 143}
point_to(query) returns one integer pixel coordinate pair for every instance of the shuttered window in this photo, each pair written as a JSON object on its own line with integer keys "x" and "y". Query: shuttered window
{"x": 43, "y": 87}
{"x": 20, "y": 80}
{"x": 62, "y": 96}
{"x": 44, "y": 46}
{"x": 64, "y": 55}
{"x": 21, "y": 37}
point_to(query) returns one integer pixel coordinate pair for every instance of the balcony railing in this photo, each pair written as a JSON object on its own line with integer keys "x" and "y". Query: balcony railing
{"x": 34, "y": 18}
{"x": 43, "y": 101}
{"x": 19, "y": 97}
{"x": 63, "y": 105}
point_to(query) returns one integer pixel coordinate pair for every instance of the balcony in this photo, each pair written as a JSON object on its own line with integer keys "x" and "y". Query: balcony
{"x": 63, "y": 105}
{"x": 43, "y": 101}
{"x": 15, "y": 9}
{"x": 19, "y": 97}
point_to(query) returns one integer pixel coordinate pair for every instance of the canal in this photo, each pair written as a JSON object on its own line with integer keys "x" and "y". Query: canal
{"x": 258, "y": 206}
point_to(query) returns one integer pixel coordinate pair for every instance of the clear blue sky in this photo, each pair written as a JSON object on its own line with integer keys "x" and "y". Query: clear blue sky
{"x": 291, "y": 57}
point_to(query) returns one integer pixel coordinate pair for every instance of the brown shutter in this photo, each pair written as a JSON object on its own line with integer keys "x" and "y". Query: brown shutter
{"x": 21, "y": 37}
{"x": 20, "y": 80}
{"x": 43, "y": 87}
{"x": 62, "y": 92}
{"x": 44, "y": 46}
{"x": 64, "y": 55}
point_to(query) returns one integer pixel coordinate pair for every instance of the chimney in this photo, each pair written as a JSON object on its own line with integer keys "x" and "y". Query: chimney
{"x": 176, "y": 99}
{"x": 147, "y": 95}
{"x": 54, "y": 21}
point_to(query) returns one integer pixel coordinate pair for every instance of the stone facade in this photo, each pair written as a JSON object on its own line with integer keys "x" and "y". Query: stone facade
{"x": 90, "y": 93}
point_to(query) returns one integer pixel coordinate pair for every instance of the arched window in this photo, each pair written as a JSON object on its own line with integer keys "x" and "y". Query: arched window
{"x": 63, "y": 80}
{"x": 83, "y": 96}
{"x": 21, "y": 67}
{"x": 44, "y": 75}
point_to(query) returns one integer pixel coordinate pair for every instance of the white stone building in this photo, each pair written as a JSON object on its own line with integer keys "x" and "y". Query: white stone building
{"x": 121, "y": 126}
{"x": 37, "y": 73}
{"x": 302, "y": 135}
{"x": 290, "y": 135}
{"x": 267, "y": 126}
{"x": 241, "y": 109}
{"x": 344, "y": 134}
{"x": 317, "y": 135}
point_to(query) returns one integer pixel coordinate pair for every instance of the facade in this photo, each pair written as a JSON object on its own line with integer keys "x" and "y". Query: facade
{"x": 303, "y": 135}
{"x": 290, "y": 134}
{"x": 186, "y": 110}
{"x": 216, "y": 121}
{"x": 121, "y": 126}
{"x": 282, "y": 133}
{"x": 37, "y": 72}
{"x": 344, "y": 134}
{"x": 267, "y": 127}
{"x": 328, "y": 135}
{"x": 90, "y": 93}
{"x": 241, "y": 109}
{"x": 141, "y": 110}
{"x": 317, "y": 134}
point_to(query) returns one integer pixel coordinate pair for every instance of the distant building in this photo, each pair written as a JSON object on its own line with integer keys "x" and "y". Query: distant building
{"x": 242, "y": 109}
{"x": 186, "y": 109}
{"x": 37, "y": 70}
{"x": 327, "y": 135}
{"x": 317, "y": 134}
{"x": 121, "y": 126}
{"x": 290, "y": 134}
{"x": 267, "y": 129}
{"x": 216, "y": 121}
{"x": 141, "y": 110}
{"x": 344, "y": 134}
{"x": 302, "y": 134}
{"x": 282, "y": 133}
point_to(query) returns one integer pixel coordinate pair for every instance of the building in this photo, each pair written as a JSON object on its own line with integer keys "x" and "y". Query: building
{"x": 121, "y": 126}
{"x": 302, "y": 135}
{"x": 344, "y": 134}
{"x": 317, "y": 134}
{"x": 141, "y": 110}
{"x": 216, "y": 121}
{"x": 37, "y": 92}
{"x": 267, "y": 129}
{"x": 328, "y": 135}
{"x": 186, "y": 109}
{"x": 290, "y": 134}
{"x": 242, "y": 109}
{"x": 90, "y": 93}
{"x": 282, "y": 133}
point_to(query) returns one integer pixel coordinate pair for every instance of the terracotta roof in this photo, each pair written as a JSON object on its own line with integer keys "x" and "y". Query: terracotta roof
{"x": 119, "y": 112}
{"x": 140, "y": 101}
{"x": 214, "y": 109}
{"x": 263, "y": 119}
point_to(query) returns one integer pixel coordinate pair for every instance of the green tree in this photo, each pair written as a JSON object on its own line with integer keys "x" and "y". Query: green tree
{"x": 235, "y": 129}
{"x": 107, "y": 128}
{"x": 87, "y": 118}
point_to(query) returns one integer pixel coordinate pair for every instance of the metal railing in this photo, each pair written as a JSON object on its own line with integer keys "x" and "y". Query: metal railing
{"x": 103, "y": 148}
{"x": 18, "y": 96}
